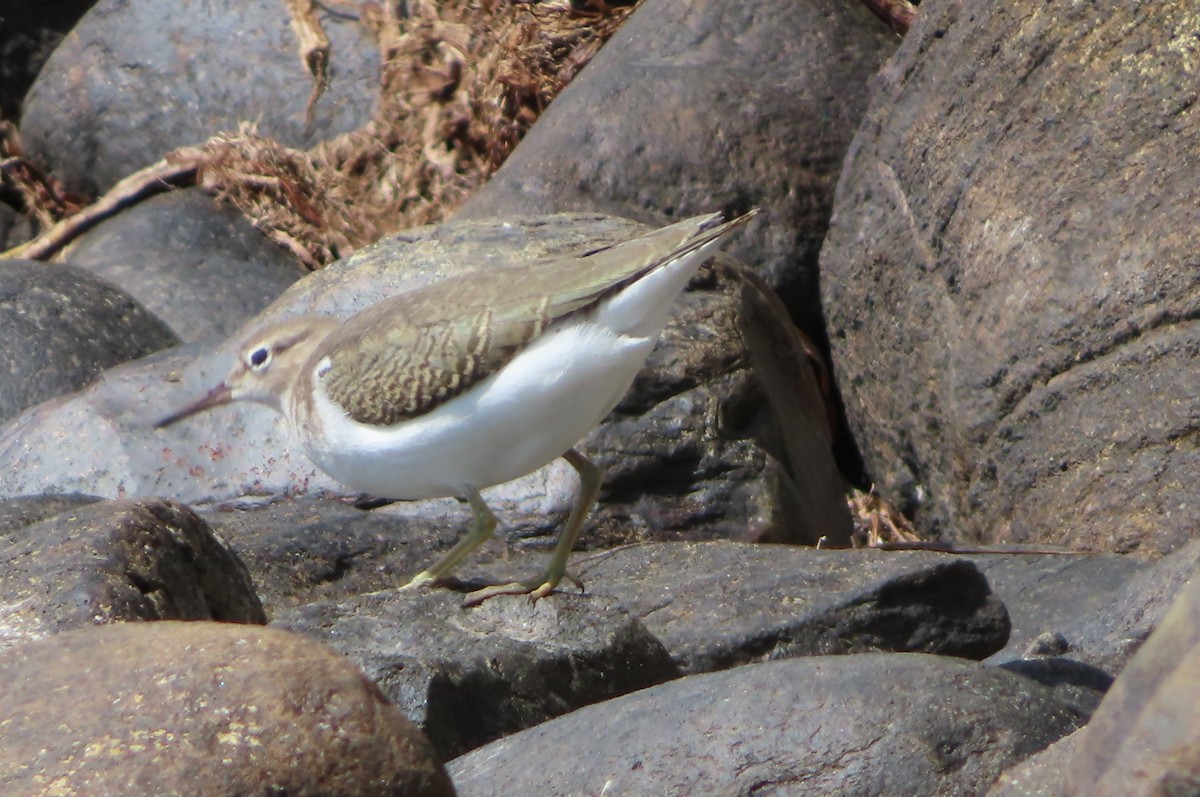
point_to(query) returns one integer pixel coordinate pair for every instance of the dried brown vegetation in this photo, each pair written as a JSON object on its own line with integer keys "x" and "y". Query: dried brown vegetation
{"x": 461, "y": 83}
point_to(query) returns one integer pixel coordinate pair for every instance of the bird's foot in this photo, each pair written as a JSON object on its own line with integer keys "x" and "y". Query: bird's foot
{"x": 420, "y": 580}
{"x": 535, "y": 588}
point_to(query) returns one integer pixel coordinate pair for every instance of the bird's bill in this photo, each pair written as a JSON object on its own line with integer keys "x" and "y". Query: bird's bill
{"x": 221, "y": 394}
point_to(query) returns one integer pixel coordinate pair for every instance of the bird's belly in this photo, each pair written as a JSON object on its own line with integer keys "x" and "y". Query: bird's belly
{"x": 510, "y": 424}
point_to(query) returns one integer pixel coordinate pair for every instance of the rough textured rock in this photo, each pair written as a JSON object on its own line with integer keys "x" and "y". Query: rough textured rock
{"x": 118, "y": 560}
{"x": 1144, "y": 739}
{"x": 201, "y": 268}
{"x": 202, "y": 709}
{"x": 723, "y": 481}
{"x": 847, "y": 725}
{"x": 712, "y": 605}
{"x": 60, "y": 326}
{"x": 136, "y": 80}
{"x": 1011, "y": 275}
{"x": 698, "y": 106}
{"x": 312, "y": 550}
{"x": 468, "y": 676}
{"x": 717, "y": 605}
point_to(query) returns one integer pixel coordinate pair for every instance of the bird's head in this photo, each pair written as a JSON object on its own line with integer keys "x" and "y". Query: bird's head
{"x": 269, "y": 362}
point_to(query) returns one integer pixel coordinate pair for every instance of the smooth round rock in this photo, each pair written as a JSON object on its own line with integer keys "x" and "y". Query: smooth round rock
{"x": 857, "y": 726}
{"x": 60, "y": 326}
{"x": 199, "y": 266}
{"x": 204, "y": 710}
{"x": 134, "y": 81}
{"x": 695, "y": 107}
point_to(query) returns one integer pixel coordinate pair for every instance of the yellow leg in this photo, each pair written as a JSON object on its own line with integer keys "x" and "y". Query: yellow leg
{"x": 481, "y": 531}
{"x": 543, "y": 585}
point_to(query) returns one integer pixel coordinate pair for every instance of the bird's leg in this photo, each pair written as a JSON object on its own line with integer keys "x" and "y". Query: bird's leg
{"x": 590, "y": 477}
{"x": 481, "y": 531}
{"x": 589, "y": 489}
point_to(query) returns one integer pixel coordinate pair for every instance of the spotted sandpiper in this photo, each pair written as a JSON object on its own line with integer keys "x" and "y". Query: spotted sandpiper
{"x": 475, "y": 380}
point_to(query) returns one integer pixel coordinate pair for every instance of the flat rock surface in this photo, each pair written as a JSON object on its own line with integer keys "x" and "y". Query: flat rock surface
{"x": 118, "y": 560}
{"x": 204, "y": 710}
{"x": 1051, "y": 593}
{"x": 17, "y": 513}
{"x": 848, "y": 725}
{"x": 468, "y": 676}
{"x": 717, "y": 605}
{"x": 1010, "y": 276}
{"x": 1111, "y": 634}
{"x": 712, "y": 605}
{"x": 310, "y": 551}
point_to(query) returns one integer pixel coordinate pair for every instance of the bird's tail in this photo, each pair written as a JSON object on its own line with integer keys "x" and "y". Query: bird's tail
{"x": 641, "y": 307}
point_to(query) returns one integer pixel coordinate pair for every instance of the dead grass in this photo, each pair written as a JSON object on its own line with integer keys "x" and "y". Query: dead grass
{"x": 877, "y": 523}
{"x": 461, "y": 83}
{"x": 463, "y": 80}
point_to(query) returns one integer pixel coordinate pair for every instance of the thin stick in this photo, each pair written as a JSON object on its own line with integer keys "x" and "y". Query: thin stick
{"x": 181, "y": 167}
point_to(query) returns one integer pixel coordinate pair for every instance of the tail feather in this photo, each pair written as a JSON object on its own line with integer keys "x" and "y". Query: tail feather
{"x": 642, "y": 308}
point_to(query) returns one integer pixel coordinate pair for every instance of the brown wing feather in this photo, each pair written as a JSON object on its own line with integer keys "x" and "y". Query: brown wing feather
{"x": 384, "y": 373}
{"x": 403, "y": 356}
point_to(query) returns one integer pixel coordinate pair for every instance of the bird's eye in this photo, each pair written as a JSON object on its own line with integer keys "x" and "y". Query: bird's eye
{"x": 259, "y": 358}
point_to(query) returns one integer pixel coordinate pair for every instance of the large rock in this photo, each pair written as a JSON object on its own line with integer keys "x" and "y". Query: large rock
{"x": 864, "y": 725}
{"x": 117, "y": 560}
{"x": 718, "y": 604}
{"x": 60, "y": 326}
{"x": 201, "y": 268}
{"x": 202, "y": 709}
{"x": 693, "y": 107}
{"x": 469, "y": 676}
{"x": 134, "y": 81}
{"x": 1011, "y": 275}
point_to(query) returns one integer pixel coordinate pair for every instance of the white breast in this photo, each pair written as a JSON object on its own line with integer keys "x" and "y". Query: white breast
{"x": 512, "y": 423}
